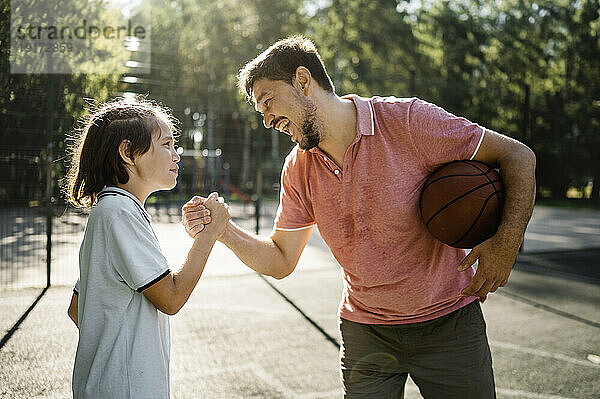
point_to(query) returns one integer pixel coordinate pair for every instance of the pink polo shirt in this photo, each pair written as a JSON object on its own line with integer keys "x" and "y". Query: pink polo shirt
{"x": 394, "y": 270}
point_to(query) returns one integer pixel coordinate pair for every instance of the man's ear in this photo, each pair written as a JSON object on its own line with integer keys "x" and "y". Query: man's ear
{"x": 302, "y": 80}
{"x": 124, "y": 152}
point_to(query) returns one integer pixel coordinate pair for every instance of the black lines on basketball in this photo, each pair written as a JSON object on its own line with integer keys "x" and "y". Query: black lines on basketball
{"x": 457, "y": 242}
{"x": 461, "y": 203}
{"x": 477, "y": 164}
{"x": 498, "y": 193}
{"x": 459, "y": 197}
{"x": 450, "y": 176}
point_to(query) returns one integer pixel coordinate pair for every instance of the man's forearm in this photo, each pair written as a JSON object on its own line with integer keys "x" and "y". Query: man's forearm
{"x": 260, "y": 254}
{"x": 518, "y": 174}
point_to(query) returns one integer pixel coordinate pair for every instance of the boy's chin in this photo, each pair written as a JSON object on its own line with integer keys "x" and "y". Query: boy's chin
{"x": 167, "y": 186}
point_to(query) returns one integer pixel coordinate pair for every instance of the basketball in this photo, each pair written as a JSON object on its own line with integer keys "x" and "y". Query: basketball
{"x": 461, "y": 203}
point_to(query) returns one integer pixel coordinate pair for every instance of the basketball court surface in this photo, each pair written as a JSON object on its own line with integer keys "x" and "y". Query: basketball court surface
{"x": 244, "y": 336}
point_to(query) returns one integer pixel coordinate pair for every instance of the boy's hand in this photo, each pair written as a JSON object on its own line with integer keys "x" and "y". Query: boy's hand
{"x": 219, "y": 212}
{"x": 195, "y": 215}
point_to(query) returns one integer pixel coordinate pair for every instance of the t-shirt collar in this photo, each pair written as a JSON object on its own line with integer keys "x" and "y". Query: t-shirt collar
{"x": 120, "y": 191}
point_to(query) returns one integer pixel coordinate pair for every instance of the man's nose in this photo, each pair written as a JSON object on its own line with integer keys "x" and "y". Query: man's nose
{"x": 268, "y": 120}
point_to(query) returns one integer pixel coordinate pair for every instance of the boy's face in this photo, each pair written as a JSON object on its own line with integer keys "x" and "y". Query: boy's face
{"x": 157, "y": 168}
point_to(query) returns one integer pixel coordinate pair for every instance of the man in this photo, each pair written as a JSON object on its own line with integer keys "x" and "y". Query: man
{"x": 410, "y": 302}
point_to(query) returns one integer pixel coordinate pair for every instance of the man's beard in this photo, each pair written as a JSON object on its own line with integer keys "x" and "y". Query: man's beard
{"x": 311, "y": 132}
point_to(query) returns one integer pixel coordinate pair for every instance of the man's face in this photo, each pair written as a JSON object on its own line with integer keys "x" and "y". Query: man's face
{"x": 288, "y": 110}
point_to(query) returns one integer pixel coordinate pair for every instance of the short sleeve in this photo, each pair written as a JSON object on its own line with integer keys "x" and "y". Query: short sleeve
{"x": 76, "y": 288}
{"x": 440, "y": 137}
{"x": 135, "y": 252}
{"x": 294, "y": 211}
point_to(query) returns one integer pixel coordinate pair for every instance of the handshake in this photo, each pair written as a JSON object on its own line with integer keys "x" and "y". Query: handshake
{"x": 210, "y": 215}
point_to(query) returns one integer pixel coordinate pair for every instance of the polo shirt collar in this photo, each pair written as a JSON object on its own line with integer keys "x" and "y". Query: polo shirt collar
{"x": 365, "y": 117}
{"x": 119, "y": 191}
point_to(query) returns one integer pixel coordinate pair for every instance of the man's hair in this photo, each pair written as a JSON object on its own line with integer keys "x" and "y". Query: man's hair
{"x": 96, "y": 162}
{"x": 280, "y": 61}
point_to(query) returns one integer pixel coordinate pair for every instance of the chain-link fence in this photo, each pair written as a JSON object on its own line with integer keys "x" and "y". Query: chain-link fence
{"x": 23, "y": 221}
{"x": 40, "y": 234}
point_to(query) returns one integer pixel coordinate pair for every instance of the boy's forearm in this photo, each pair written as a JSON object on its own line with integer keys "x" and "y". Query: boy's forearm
{"x": 186, "y": 278}
{"x": 260, "y": 254}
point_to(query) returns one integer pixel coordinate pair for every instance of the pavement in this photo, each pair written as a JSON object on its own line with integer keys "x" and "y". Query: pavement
{"x": 245, "y": 336}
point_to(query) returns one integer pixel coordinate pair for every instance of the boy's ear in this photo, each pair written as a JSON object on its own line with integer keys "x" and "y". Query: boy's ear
{"x": 124, "y": 152}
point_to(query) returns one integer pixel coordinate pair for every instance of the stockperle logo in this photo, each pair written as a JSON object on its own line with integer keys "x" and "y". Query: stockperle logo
{"x": 79, "y": 36}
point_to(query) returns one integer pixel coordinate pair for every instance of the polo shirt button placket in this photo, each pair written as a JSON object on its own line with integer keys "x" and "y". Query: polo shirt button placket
{"x": 337, "y": 173}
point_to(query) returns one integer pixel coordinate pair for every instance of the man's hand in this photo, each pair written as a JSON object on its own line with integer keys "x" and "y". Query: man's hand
{"x": 195, "y": 215}
{"x": 496, "y": 259}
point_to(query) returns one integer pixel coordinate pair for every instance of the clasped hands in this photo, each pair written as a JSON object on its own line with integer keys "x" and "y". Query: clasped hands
{"x": 199, "y": 213}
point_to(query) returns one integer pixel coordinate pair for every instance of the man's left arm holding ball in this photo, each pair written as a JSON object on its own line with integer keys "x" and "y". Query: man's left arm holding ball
{"x": 496, "y": 256}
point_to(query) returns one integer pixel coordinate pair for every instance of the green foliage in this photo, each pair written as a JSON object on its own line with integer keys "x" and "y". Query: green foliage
{"x": 528, "y": 69}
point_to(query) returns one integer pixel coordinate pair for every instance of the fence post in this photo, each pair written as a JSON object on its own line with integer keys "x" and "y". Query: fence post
{"x": 49, "y": 185}
{"x": 226, "y": 179}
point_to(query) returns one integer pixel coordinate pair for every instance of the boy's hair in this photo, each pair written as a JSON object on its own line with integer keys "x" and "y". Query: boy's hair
{"x": 96, "y": 162}
{"x": 280, "y": 61}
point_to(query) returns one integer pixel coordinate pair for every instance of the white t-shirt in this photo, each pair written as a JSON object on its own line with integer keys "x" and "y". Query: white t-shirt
{"x": 124, "y": 340}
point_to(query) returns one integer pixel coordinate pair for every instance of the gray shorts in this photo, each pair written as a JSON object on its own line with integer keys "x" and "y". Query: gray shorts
{"x": 448, "y": 357}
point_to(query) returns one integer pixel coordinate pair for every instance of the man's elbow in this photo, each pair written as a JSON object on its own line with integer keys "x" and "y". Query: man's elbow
{"x": 519, "y": 157}
{"x": 527, "y": 155}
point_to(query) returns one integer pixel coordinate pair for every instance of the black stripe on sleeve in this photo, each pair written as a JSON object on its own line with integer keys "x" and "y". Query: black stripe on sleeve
{"x": 156, "y": 280}
{"x": 75, "y": 292}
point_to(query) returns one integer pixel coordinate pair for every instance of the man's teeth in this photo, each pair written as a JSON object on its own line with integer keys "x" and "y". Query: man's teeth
{"x": 284, "y": 125}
